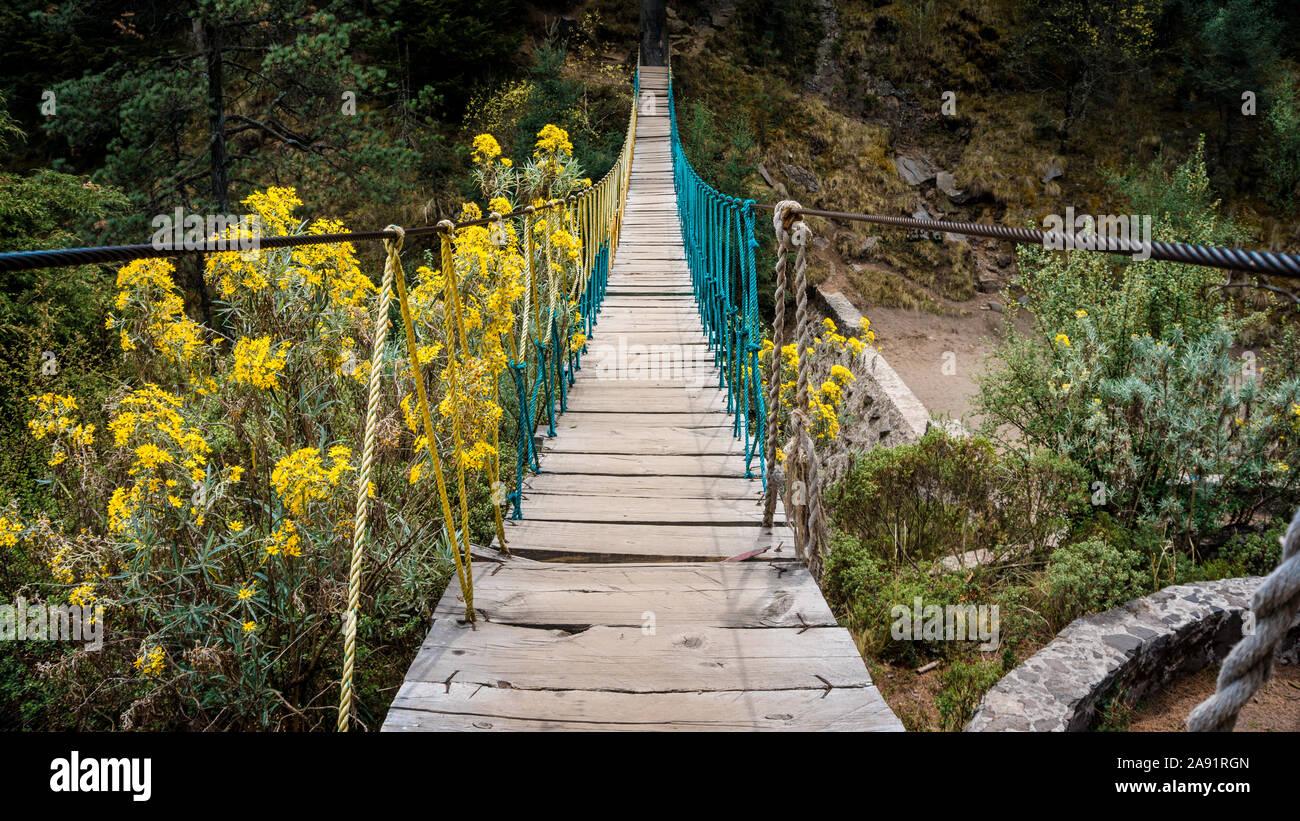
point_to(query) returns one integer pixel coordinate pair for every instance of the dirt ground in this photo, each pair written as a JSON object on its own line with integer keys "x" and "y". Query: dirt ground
{"x": 909, "y": 695}
{"x": 938, "y": 356}
{"x": 1275, "y": 708}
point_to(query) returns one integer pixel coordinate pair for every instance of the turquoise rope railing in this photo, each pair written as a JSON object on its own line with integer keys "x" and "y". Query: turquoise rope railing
{"x": 555, "y": 363}
{"x": 718, "y": 232}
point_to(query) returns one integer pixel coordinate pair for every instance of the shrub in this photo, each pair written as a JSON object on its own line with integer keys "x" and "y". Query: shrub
{"x": 1129, "y": 370}
{"x": 915, "y": 502}
{"x": 964, "y": 683}
{"x": 212, "y": 515}
{"x": 865, "y": 588}
{"x": 1254, "y": 554}
{"x": 1090, "y": 576}
{"x": 943, "y": 496}
{"x": 1280, "y": 151}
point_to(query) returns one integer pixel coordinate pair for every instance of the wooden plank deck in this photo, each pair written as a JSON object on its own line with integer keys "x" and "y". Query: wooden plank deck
{"x": 619, "y": 609}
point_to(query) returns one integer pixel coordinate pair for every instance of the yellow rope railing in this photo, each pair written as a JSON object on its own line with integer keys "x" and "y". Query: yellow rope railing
{"x": 596, "y": 215}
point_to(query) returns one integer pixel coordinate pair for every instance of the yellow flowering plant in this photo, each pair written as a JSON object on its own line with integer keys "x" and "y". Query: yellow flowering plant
{"x": 217, "y": 506}
{"x": 833, "y": 357}
{"x": 516, "y": 283}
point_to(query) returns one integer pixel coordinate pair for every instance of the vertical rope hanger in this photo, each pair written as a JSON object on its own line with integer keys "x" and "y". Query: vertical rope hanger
{"x": 391, "y": 265}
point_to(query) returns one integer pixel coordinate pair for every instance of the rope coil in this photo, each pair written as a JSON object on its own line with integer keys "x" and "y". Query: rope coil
{"x": 1274, "y": 605}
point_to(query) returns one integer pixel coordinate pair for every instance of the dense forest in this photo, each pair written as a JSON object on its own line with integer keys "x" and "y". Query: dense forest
{"x": 368, "y": 112}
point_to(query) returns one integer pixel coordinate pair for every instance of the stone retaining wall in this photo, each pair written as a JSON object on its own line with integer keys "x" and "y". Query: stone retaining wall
{"x": 1132, "y": 650}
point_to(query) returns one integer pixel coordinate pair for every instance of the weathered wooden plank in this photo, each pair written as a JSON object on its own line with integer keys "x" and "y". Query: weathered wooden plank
{"x": 433, "y": 707}
{"x": 620, "y": 659}
{"x": 607, "y": 359}
{"x": 574, "y": 420}
{"x": 627, "y": 465}
{"x": 651, "y": 309}
{"x": 655, "y": 487}
{"x": 670, "y": 400}
{"x": 615, "y": 299}
{"x": 647, "y": 338}
{"x": 709, "y": 594}
{"x": 650, "y": 312}
{"x": 643, "y": 510}
{"x": 630, "y": 381}
{"x": 641, "y": 425}
{"x": 678, "y": 441}
{"x": 605, "y": 542}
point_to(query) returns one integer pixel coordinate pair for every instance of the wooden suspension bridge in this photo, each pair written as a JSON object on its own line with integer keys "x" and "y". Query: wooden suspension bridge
{"x": 643, "y": 592}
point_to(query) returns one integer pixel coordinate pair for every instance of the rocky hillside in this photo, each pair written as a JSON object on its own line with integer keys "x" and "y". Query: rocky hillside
{"x": 946, "y": 110}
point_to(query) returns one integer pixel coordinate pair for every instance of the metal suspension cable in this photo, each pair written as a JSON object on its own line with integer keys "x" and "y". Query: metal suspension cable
{"x": 1237, "y": 259}
{"x": 61, "y": 257}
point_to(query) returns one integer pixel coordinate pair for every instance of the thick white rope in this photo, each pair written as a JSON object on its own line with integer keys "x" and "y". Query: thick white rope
{"x": 1248, "y": 666}
{"x": 779, "y": 214}
{"x": 802, "y": 472}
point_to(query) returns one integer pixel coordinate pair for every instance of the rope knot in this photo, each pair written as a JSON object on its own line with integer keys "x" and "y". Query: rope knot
{"x": 782, "y": 216}
{"x": 395, "y": 245}
{"x": 800, "y": 234}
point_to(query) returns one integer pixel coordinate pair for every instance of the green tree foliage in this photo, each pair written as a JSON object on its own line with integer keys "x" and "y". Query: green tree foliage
{"x": 1082, "y": 47}
{"x": 1233, "y": 49}
{"x": 593, "y": 113}
{"x": 1279, "y": 153}
{"x": 57, "y": 311}
{"x": 248, "y": 93}
{"x": 450, "y": 47}
{"x": 781, "y": 36}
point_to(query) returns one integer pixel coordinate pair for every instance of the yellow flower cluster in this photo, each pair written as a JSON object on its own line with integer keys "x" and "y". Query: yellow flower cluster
{"x": 285, "y": 540}
{"x": 567, "y": 244}
{"x": 60, "y": 565}
{"x": 303, "y": 476}
{"x": 83, "y": 595}
{"x": 242, "y": 275}
{"x": 54, "y": 420}
{"x": 10, "y": 530}
{"x": 486, "y": 149}
{"x": 828, "y": 350}
{"x": 166, "y": 449}
{"x": 150, "y": 663}
{"x": 274, "y": 209}
{"x": 255, "y": 363}
{"x": 552, "y": 140}
{"x": 146, "y": 289}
